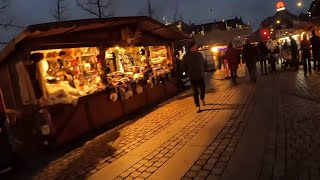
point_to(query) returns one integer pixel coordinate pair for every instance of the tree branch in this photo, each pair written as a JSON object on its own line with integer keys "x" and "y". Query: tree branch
{"x": 96, "y": 7}
{"x": 3, "y": 4}
{"x": 6, "y": 25}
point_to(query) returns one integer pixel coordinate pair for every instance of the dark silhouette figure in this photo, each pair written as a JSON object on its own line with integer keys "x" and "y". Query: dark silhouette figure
{"x": 193, "y": 65}
{"x": 263, "y": 53}
{"x": 250, "y": 56}
{"x": 232, "y": 57}
{"x": 306, "y": 54}
{"x": 315, "y": 43}
{"x": 295, "y": 53}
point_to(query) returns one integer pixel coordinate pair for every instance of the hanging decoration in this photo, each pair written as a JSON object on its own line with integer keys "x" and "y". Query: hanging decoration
{"x": 130, "y": 38}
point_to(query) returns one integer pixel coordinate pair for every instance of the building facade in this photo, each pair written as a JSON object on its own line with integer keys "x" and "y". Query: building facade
{"x": 221, "y": 32}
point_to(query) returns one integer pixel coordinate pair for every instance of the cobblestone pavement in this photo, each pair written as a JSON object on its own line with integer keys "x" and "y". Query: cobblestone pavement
{"x": 292, "y": 149}
{"x": 175, "y": 142}
{"x": 100, "y": 152}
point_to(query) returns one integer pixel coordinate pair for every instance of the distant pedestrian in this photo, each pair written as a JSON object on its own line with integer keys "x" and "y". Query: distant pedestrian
{"x": 315, "y": 43}
{"x": 194, "y": 65}
{"x": 232, "y": 58}
{"x": 306, "y": 54}
{"x": 250, "y": 56}
{"x": 220, "y": 59}
{"x": 295, "y": 53}
{"x": 272, "y": 60}
{"x": 263, "y": 53}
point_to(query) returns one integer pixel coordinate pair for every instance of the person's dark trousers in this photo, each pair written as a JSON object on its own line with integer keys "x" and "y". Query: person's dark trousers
{"x": 252, "y": 72}
{"x": 316, "y": 62}
{"x": 234, "y": 75}
{"x": 295, "y": 61}
{"x": 196, "y": 85}
{"x": 263, "y": 65}
{"x": 306, "y": 62}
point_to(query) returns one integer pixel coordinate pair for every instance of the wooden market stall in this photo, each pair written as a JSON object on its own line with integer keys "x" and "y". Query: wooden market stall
{"x": 87, "y": 73}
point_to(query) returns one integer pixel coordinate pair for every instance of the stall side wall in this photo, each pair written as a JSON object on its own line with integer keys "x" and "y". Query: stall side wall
{"x": 6, "y": 86}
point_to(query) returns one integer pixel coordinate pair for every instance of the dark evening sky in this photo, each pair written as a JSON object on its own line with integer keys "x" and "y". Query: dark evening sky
{"x": 25, "y": 12}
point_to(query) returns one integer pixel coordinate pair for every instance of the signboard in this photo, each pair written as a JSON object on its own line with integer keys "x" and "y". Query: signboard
{"x": 280, "y": 6}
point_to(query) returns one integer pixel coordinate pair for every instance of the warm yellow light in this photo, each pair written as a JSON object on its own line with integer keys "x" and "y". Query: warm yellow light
{"x": 117, "y": 48}
{"x": 272, "y": 29}
{"x": 215, "y": 49}
{"x": 278, "y": 22}
{"x": 299, "y": 4}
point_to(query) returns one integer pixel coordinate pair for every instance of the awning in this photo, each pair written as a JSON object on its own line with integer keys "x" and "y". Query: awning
{"x": 49, "y": 31}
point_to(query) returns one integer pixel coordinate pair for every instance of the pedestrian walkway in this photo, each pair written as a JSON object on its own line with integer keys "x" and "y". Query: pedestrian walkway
{"x": 268, "y": 130}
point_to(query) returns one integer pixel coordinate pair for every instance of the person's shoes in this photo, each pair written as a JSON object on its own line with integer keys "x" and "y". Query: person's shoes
{"x": 203, "y": 103}
{"x": 199, "y": 109}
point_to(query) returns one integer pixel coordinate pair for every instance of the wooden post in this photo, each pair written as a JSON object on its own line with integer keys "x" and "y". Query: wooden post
{"x": 102, "y": 56}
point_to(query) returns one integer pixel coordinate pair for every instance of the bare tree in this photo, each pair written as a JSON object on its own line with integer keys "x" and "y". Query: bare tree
{"x": 175, "y": 14}
{"x": 99, "y": 8}
{"x": 59, "y": 11}
{"x": 3, "y": 4}
{"x": 150, "y": 9}
{"x": 6, "y": 24}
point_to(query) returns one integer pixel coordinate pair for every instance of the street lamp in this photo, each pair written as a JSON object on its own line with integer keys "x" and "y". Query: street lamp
{"x": 299, "y": 4}
{"x": 278, "y": 21}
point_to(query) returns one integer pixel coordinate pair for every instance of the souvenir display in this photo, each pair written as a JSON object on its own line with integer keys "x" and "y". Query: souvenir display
{"x": 69, "y": 74}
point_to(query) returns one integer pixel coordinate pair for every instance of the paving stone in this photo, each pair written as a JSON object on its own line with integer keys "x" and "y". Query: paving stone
{"x": 151, "y": 169}
{"x": 143, "y": 168}
{"x": 191, "y": 174}
{"x": 196, "y": 168}
{"x": 135, "y": 174}
{"x": 157, "y": 164}
{"x": 130, "y": 170}
{"x": 208, "y": 167}
{"x": 125, "y": 174}
{"x": 212, "y": 177}
{"x": 137, "y": 166}
{"x": 201, "y": 162}
{"x": 154, "y": 160}
{"x": 217, "y": 171}
{"x": 212, "y": 160}
{"x": 148, "y": 164}
{"x": 203, "y": 173}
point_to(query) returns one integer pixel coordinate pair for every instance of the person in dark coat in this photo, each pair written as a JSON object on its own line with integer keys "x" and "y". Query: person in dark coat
{"x": 295, "y": 53}
{"x": 194, "y": 66}
{"x": 306, "y": 54}
{"x": 263, "y": 53}
{"x": 315, "y": 43}
{"x": 232, "y": 58}
{"x": 250, "y": 56}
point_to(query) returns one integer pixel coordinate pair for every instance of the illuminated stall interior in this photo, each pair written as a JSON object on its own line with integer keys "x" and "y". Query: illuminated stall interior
{"x": 67, "y": 74}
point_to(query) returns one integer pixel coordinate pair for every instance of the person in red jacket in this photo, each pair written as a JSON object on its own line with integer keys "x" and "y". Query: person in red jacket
{"x": 232, "y": 58}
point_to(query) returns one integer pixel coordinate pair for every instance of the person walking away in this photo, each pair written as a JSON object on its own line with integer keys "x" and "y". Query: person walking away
{"x": 232, "y": 58}
{"x": 193, "y": 65}
{"x": 295, "y": 53}
{"x": 306, "y": 54}
{"x": 220, "y": 58}
{"x": 250, "y": 56}
{"x": 315, "y": 43}
{"x": 263, "y": 53}
{"x": 272, "y": 61}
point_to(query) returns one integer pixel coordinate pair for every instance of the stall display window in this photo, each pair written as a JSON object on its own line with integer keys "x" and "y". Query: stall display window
{"x": 68, "y": 74}
{"x": 124, "y": 64}
{"x": 160, "y": 62}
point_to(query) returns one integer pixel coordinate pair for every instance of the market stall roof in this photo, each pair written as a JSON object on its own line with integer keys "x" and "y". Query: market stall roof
{"x": 62, "y": 29}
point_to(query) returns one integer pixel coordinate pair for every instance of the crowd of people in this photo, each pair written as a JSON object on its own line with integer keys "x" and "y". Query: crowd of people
{"x": 267, "y": 53}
